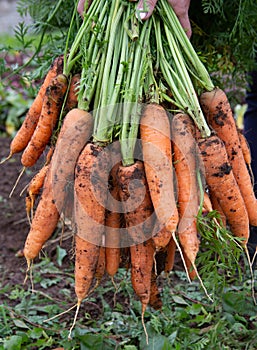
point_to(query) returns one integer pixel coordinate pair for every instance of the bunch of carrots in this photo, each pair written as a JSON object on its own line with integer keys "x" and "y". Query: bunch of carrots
{"x": 159, "y": 148}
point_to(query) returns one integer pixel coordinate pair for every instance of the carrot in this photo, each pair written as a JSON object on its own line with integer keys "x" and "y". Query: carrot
{"x": 86, "y": 258}
{"x": 113, "y": 222}
{"x": 157, "y": 156}
{"x": 142, "y": 257}
{"x": 170, "y": 258}
{"x": 72, "y": 96}
{"x": 216, "y": 206}
{"x": 44, "y": 221}
{"x": 90, "y": 195}
{"x": 36, "y": 184}
{"x": 245, "y": 148}
{"x": 220, "y": 116}
{"x": 185, "y": 163}
{"x": 75, "y": 132}
{"x": 51, "y": 108}
{"x": 246, "y": 153}
{"x": 90, "y": 199}
{"x": 100, "y": 268}
{"x": 221, "y": 181}
{"x": 136, "y": 202}
{"x": 161, "y": 237}
{"x": 155, "y": 299}
{"x": 29, "y": 124}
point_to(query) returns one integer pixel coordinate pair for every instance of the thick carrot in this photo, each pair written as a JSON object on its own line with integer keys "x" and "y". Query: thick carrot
{"x": 44, "y": 221}
{"x": 90, "y": 195}
{"x": 113, "y": 222}
{"x": 136, "y": 203}
{"x": 185, "y": 163}
{"x": 220, "y": 116}
{"x": 72, "y": 97}
{"x": 157, "y": 156}
{"x": 221, "y": 181}
{"x": 52, "y": 104}
{"x": 29, "y": 124}
{"x": 75, "y": 132}
{"x": 90, "y": 191}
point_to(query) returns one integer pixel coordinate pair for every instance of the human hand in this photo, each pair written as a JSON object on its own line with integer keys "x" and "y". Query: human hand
{"x": 180, "y": 7}
{"x": 81, "y": 6}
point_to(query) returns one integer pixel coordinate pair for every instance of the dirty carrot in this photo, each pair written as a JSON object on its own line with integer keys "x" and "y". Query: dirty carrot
{"x": 219, "y": 114}
{"x": 136, "y": 202}
{"x": 52, "y": 104}
{"x": 221, "y": 181}
{"x": 72, "y": 96}
{"x": 29, "y": 124}
{"x": 142, "y": 257}
{"x": 76, "y": 130}
{"x": 44, "y": 221}
{"x": 155, "y": 298}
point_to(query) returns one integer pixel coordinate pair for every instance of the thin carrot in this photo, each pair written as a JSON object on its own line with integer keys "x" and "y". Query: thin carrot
{"x": 170, "y": 258}
{"x": 219, "y": 114}
{"x": 216, "y": 206}
{"x": 44, "y": 222}
{"x": 72, "y": 96}
{"x": 100, "y": 267}
{"x": 155, "y": 299}
{"x": 36, "y": 184}
{"x": 185, "y": 163}
{"x": 51, "y": 108}
{"x": 221, "y": 181}
{"x": 29, "y": 124}
{"x": 157, "y": 156}
{"x": 142, "y": 257}
{"x": 113, "y": 222}
{"x": 246, "y": 153}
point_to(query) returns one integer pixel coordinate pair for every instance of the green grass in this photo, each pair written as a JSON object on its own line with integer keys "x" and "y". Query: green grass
{"x": 187, "y": 320}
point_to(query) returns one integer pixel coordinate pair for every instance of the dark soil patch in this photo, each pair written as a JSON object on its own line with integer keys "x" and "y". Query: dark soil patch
{"x": 14, "y": 223}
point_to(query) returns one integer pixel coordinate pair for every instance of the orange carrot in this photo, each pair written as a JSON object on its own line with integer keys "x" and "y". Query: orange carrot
{"x": 220, "y": 116}
{"x": 155, "y": 299}
{"x": 72, "y": 97}
{"x": 216, "y": 206}
{"x": 185, "y": 163}
{"x": 113, "y": 223}
{"x": 100, "y": 268}
{"x": 136, "y": 202}
{"x": 245, "y": 148}
{"x": 221, "y": 181}
{"x": 86, "y": 258}
{"x": 52, "y": 104}
{"x": 170, "y": 258}
{"x": 142, "y": 257}
{"x": 75, "y": 132}
{"x": 157, "y": 155}
{"x": 90, "y": 195}
{"x": 29, "y": 124}
{"x": 44, "y": 221}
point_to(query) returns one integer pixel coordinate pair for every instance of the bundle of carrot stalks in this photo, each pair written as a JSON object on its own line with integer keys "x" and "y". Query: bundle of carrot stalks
{"x": 159, "y": 150}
